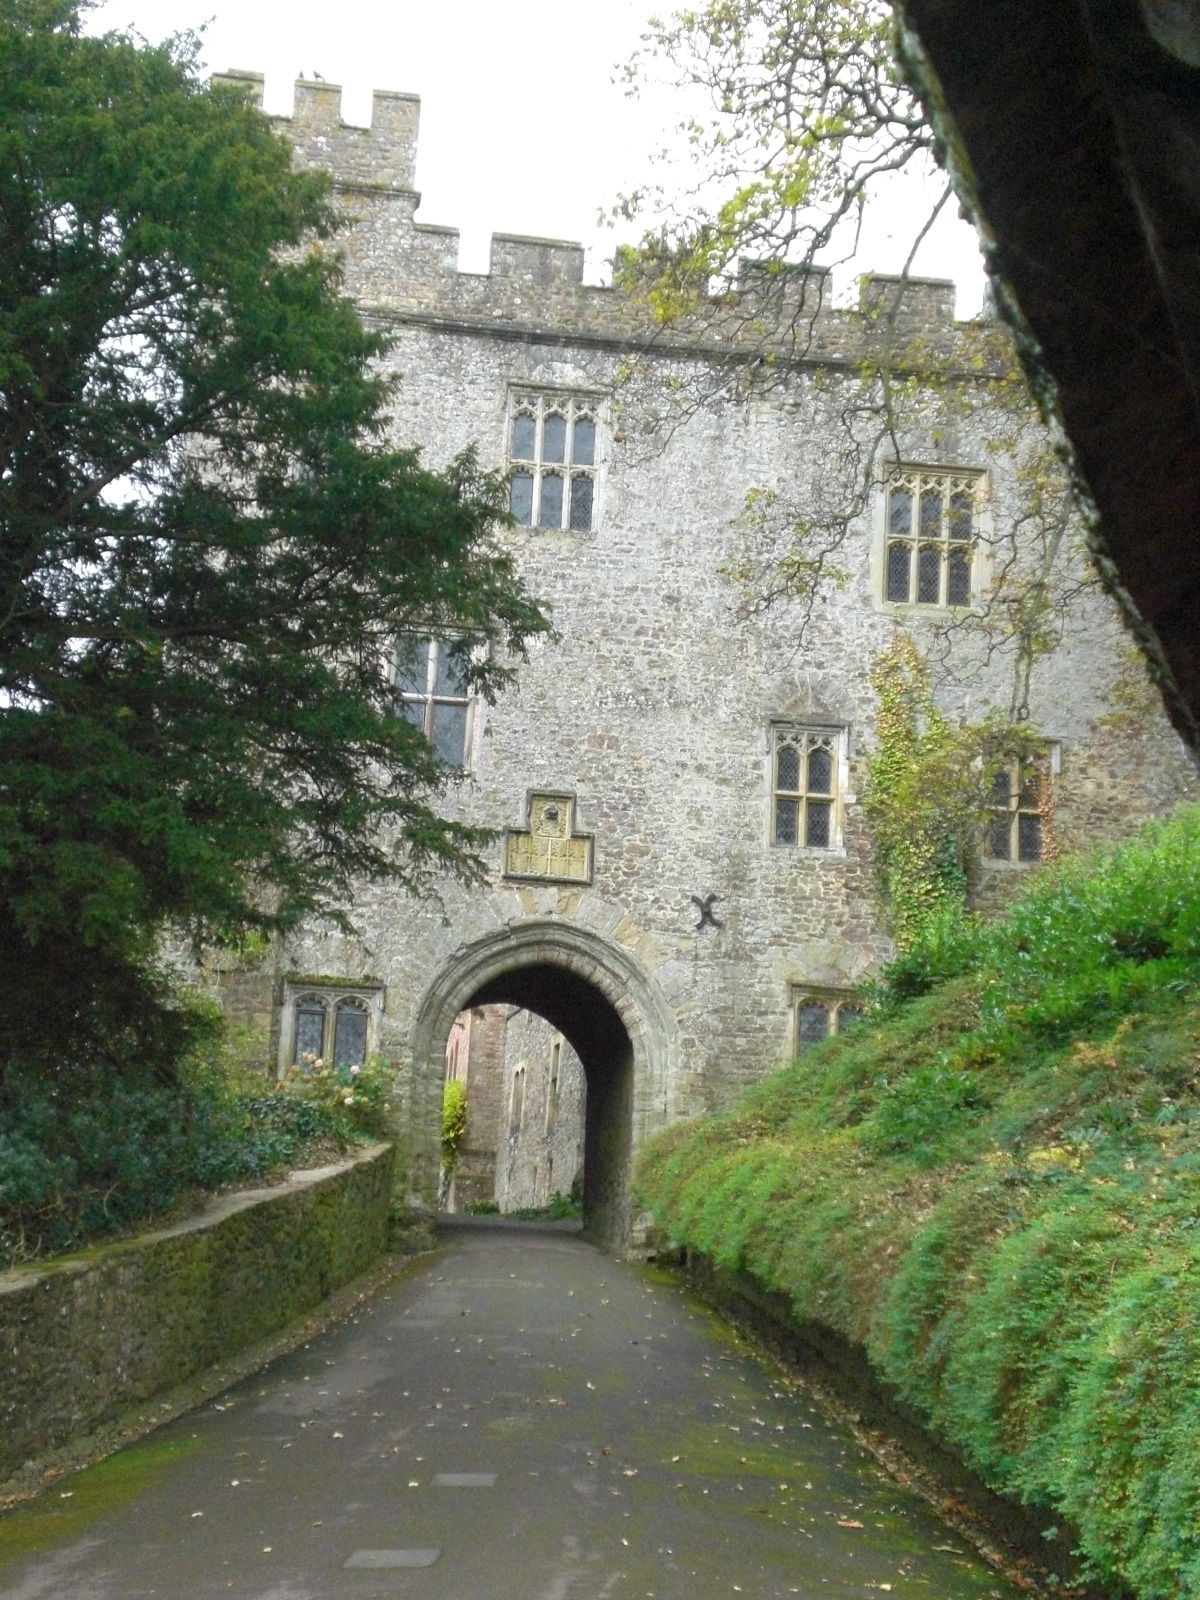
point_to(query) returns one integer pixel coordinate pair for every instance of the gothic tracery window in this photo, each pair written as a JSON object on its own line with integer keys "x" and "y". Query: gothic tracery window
{"x": 932, "y": 536}
{"x": 331, "y": 1028}
{"x": 552, "y": 460}
{"x": 819, "y": 1013}
{"x": 804, "y": 787}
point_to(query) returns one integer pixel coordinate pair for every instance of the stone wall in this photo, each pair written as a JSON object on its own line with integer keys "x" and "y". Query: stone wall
{"x": 652, "y": 714}
{"x": 87, "y": 1337}
{"x": 540, "y": 1153}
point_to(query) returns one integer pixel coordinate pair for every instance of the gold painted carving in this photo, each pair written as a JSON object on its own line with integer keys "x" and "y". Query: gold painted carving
{"x": 549, "y": 848}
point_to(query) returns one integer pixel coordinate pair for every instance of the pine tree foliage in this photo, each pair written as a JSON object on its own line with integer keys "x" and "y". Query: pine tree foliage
{"x": 207, "y": 544}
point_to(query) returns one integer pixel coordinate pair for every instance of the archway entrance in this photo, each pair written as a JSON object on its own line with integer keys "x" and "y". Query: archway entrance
{"x": 599, "y": 997}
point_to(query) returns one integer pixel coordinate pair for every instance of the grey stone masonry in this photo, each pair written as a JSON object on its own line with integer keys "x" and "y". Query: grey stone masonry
{"x": 714, "y": 760}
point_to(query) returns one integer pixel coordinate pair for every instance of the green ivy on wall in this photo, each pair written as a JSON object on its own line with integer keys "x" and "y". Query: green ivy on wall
{"x": 928, "y": 786}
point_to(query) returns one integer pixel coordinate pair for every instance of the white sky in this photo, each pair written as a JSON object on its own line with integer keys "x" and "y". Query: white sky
{"x": 523, "y": 129}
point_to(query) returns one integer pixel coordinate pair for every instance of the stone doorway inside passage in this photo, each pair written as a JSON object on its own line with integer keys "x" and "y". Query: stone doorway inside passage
{"x": 598, "y": 997}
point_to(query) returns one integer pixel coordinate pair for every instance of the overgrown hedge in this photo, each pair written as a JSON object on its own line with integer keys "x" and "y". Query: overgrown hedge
{"x": 993, "y": 1186}
{"x": 87, "y": 1152}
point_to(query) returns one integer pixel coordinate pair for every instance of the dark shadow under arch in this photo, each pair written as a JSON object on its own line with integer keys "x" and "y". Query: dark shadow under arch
{"x": 591, "y": 1025}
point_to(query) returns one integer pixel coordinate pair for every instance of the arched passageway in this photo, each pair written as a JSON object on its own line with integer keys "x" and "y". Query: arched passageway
{"x": 600, "y": 998}
{"x": 591, "y": 1026}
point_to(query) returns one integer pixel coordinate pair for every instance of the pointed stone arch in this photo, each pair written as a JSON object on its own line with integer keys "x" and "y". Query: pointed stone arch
{"x": 601, "y": 997}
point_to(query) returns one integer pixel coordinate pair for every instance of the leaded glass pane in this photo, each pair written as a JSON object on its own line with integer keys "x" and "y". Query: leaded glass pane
{"x": 931, "y": 514}
{"x": 412, "y": 662}
{"x": 449, "y": 733}
{"x": 899, "y": 513}
{"x": 520, "y": 497}
{"x": 820, "y": 771}
{"x": 787, "y": 818}
{"x": 524, "y": 432}
{"x": 958, "y": 578}
{"x": 929, "y": 572}
{"x": 787, "y": 768}
{"x": 1028, "y": 786}
{"x": 816, "y": 831}
{"x": 962, "y": 508}
{"x": 812, "y": 1023}
{"x": 899, "y": 557}
{"x": 413, "y": 711}
{"x": 310, "y": 1029}
{"x": 583, "y": 442}
{"x": 554, "y": 437}
{"x": 581, "y": 504}
{"x": 350, "y": 1035}
{"x": 1029, "y": 837}
{"x": 999, "y": 834}
{"x": 450, "y": 676}
{"x": 1001, "y": 790}
{"x": 847, "y": 1016}
{"x": 550, "y": 510}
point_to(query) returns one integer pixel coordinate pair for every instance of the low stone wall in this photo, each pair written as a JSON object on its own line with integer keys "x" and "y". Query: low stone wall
{"x": 86, "y": 1337}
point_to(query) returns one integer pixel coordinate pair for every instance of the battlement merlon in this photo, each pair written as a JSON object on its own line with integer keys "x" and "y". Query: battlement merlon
{"x": 398, "y": 265}
{"x": 539, "y": 263}
{"x": 381, "y": 156}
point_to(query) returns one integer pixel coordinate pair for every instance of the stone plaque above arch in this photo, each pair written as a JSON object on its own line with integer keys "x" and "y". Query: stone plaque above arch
{"x": 549, "y": 850}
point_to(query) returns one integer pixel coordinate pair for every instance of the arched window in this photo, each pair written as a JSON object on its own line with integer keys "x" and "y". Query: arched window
{"x": 350, "y": 1019}
{"x": 310, "y": 1019}
{"x": 552, "y": 460}
{"x": 818, "y": 1013}
{"x": 932, "y": 532}
{"x": 331, "y": 1024}
{"x": 804, "y": 798}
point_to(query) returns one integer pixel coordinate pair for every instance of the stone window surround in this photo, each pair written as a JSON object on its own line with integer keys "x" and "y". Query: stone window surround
{"x": 545, "y": 398}
{"x": 836, "y": 1001}
{"x": 838, "y": 734}
{"x": 367, "y": 992}
{"x": 1051, "y": 764}
{"x": 434, "y": 693}
{"x": 982, "y": 530}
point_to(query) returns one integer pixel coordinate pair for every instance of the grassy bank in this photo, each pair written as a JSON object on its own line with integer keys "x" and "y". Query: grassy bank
{"x": 993, "y": 1186}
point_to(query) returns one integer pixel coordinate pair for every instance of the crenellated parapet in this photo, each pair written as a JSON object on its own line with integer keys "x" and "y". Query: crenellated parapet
{"x": 399, "y": 267}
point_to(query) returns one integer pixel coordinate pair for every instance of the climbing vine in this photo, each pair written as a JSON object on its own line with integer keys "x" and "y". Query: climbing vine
{"x": 454, "y": 1124}
{"x": 928, "y": 786}
{"x": 922, "y": 799}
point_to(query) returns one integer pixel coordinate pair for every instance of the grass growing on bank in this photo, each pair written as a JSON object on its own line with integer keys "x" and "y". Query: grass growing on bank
{"x": 993, "y": 1185}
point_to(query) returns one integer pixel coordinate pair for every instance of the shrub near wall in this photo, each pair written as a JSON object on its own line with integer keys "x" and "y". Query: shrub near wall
{"x": 87, "y": 1337}
{"x": 993, "y": 1190}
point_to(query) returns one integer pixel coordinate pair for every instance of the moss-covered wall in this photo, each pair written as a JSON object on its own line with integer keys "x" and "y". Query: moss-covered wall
{"x": 88, "y": 1336}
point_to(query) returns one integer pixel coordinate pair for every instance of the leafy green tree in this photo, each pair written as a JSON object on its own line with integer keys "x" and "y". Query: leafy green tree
{"x": 207, "y": 547}
{"x": 797, "y": 114}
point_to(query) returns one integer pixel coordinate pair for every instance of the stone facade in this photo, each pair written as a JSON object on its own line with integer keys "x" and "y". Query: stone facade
{"x": 526, "y": 1096}
{"x": 670, "y": 950}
